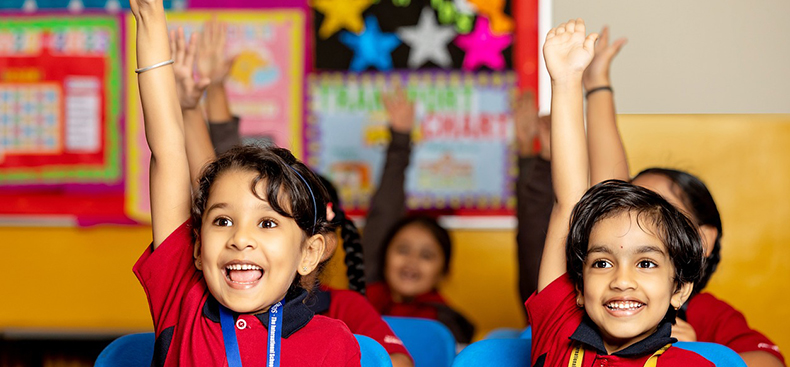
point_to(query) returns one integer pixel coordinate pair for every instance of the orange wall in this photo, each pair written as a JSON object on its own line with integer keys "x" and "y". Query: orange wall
{"x": 82, "y": 278}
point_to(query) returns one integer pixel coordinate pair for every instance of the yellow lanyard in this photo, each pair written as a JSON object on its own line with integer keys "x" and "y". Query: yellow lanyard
{"x": 578, "y": 356}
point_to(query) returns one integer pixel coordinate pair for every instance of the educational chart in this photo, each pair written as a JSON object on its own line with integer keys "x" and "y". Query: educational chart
{"x": 59, "y": 101}
{"x": 265, "y": 86}
{"x": 463, "y": 160}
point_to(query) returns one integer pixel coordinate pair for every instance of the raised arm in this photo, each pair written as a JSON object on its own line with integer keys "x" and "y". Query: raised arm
{"x": 534, "y": 193}
{"x": 214, "y": 64}
{"x": 198, "y": 143}
{"x": 607, "y": 155}
{"x": 388, "y": 204}
{"x": 567, "y": 53}
{"x": 164, "y": 128}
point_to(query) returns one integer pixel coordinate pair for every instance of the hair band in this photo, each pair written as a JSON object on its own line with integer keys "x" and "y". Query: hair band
{"x": 312, "y": 196}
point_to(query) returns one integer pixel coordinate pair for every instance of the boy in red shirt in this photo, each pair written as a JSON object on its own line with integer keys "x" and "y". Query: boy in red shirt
{"x": 609, "y": 285}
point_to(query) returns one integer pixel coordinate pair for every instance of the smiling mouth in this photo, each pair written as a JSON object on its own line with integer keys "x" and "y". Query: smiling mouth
{"x": 243, "y": 274}
{"x": 624, "y": 305}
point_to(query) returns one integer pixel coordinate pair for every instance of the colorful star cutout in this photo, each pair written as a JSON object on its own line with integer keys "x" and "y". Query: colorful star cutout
{"x": 494, "y": 10}
{"x": 428, "y": 41}
{"x": 339, "y": 14}
{"x": 483, "y": 47}
{"x": 371, "y": 47}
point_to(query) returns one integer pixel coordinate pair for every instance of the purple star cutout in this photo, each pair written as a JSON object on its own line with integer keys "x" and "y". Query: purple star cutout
{"x": 371, "y": 47}
{"x": 483, "y": 47}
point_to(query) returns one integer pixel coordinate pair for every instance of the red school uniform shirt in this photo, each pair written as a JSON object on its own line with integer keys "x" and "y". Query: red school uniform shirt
{"x": 358, "y": 314}
{"x": 186, "y": 318}
{"x": 716, "y": 321}
{"x": 558, "y": 325}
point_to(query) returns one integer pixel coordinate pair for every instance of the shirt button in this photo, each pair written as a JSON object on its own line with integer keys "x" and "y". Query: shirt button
{"x": 241, "y": 324}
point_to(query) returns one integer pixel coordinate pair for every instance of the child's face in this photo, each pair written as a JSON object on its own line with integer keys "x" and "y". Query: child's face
{"x": 414, "y": 262}
{"x": 249, "y": 254}
{"x": 628, "y": 280}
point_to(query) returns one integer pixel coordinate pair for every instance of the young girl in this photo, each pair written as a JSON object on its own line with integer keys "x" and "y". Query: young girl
{"x": 631, "y": 258}
{"x": 703, "y": 317}
{"x": 345, "y": 305}
{"x": 232, "y": 294}
{"x": 406, "y": 257}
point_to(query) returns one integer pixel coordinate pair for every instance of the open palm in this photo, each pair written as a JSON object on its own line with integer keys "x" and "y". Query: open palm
{"x": 568, "y": 50}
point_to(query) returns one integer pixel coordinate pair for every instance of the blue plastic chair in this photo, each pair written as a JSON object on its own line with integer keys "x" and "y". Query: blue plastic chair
{"x": 430, "y": 343}
{"x": 133, "y": 350}
{"x": 720, "y": 355}
{"x": 527, "y": 333}
{"x": 495, "y": 352}
{"x": 373, "y": 354}
{"x": 504, "y": 333}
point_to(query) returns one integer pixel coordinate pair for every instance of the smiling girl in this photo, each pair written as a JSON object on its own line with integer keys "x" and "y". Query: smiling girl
{"x": 609, "y": 283}
{"x": 223, "y": 285}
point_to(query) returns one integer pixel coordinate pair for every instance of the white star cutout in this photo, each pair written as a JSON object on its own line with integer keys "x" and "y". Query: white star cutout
{"x": 428, "y": 41}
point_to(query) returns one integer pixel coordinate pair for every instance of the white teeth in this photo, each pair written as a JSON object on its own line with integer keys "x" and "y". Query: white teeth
{"x": 624, "y": 305}
{"x": 243, "y": 267}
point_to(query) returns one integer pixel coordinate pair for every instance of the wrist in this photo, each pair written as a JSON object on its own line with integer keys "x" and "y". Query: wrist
{"x": 571, "y": 81}
{"x": 595, "y": 82}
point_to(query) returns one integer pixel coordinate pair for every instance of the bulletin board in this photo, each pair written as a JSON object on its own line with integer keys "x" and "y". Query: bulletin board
{"x": 59, "y": 114}
{"x": 265, "y": 87}
{"x": 463, "y": 160}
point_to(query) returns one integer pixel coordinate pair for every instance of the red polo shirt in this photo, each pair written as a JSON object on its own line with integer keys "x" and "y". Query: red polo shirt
{"x": 715, "y": 321}
{"x": 360, "y": 316}
{"x": 558, "y": 325}
{"x": 186, "y": 318}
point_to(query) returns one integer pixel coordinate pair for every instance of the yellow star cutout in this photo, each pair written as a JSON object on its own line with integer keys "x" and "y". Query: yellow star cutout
{"x": 339, "y": 14}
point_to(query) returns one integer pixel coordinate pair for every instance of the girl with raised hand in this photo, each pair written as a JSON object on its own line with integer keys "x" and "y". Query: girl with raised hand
{"x": 406, "y": 256}
{"x": 223, "y": 283}
{"x": 349, "y": 306}
{"x": 610, "y": 282}
{"x": 703, "y": 317}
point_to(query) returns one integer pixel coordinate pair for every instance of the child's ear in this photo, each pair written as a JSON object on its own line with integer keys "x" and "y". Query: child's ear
{"x": 681, "y": 295}
{"x": 708, "y": 234}
{"x": 196, "y": 255}
{"x": 579, "y": 297}
{"x": 312, "y": 253}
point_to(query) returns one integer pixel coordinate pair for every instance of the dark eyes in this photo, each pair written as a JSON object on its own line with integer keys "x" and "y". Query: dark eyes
{"x": 226, "y": 222}
{"x": 601, "y": 264}
{"x": 646, "y": 264}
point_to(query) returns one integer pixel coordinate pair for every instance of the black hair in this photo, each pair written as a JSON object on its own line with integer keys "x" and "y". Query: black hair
{"x": 352, "y": 244}
{"x": 613, "y": 197}
{"x": 438, "y": 232}
{"x": 698, "y": 199}
{"x": 291, "y": 189}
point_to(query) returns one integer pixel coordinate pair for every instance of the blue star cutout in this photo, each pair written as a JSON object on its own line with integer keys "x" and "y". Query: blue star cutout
{"x": 371, "y": 47}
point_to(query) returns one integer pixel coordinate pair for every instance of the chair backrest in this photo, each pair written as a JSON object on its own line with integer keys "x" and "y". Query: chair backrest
{"x": 495, "y": 352}
{"x": 504, "y": 333}
{"x": 430, "y": 343}
{"x": 133, "y": 350}
{"x": 720, "y": 355}
{"x": 373, "y": 354}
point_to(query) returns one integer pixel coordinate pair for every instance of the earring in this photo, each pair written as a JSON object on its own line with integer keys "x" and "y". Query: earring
{"x": 579, "y": 304}
{"x": 304, "y": 268}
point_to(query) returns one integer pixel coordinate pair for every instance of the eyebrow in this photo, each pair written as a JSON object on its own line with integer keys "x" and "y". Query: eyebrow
{"x": 599, "y": 249}
{"x": 263, "y": 206}
{"x": 639, "y": 250}
{"x": 216, "y": 206}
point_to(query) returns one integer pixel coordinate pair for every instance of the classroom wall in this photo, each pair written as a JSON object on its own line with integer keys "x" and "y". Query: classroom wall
{"x": 81, "y": 278}
{"x": 700, "y": 56}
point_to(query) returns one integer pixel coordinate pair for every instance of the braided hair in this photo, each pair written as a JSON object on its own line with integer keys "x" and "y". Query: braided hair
{"x": 352, "y": 243}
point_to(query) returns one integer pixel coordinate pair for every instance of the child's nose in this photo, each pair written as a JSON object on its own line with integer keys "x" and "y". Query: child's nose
{"x": 623, "y": 279}
{"x": 243, "y": 238}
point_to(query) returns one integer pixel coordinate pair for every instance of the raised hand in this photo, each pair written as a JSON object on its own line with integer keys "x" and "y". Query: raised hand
{"x": 212, "y": 63}
{"x": 400, "y": 110}
{"x": 597, "y": 74}
{"x": 568, "y": 51}
{"x": 189, "y": 90}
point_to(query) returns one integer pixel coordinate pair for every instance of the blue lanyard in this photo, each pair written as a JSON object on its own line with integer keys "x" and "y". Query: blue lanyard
{"x": 232, "y": 345}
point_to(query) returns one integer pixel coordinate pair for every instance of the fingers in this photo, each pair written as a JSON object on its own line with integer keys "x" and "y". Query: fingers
{"x": 603, "y": 41}
{"x": 173, "y": 42}
{"x": 189, "y": 57}
{"x": 570, "y": 27}
{"x": 180, "y": 46}
{"x": 617, "y": 45}
{"x": 589, "y": 43}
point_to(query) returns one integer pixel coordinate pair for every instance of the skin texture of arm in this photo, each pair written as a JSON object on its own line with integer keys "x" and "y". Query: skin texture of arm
{"x": 164, "y": 128}
{"x": 567, "y": 52}
{"x": 215, "y": 65}
{"x": 607, "y": 155}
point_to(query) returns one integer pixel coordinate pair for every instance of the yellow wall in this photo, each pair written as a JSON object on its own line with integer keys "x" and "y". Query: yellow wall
{"x": 81, "y": 278}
